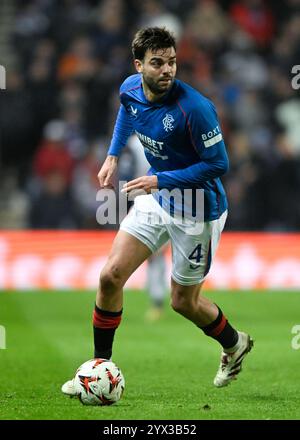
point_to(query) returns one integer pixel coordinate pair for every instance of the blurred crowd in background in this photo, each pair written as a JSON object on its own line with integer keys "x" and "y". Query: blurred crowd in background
{"x": 65, "y": 61}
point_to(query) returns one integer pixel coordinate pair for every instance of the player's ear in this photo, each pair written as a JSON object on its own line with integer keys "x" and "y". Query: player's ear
{"x": 138, "y": 65}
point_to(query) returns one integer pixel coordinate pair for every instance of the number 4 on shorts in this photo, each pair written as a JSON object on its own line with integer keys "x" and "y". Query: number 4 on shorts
{"x": 196, "y": 255}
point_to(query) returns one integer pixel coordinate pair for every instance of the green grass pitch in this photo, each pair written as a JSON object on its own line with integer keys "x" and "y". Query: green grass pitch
{"x": 168, "y": 365}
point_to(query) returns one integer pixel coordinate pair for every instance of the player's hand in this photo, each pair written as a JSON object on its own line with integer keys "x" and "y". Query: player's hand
{"x": 141, "y": 185}
{"x": 107, "y": 170}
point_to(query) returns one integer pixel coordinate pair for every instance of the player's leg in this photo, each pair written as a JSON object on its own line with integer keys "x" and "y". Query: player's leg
{"x": 188, "y": 301}
{"x": 126, "y": 255}
{"x": 137, "y": 239}
{"x": 192, "y": 258}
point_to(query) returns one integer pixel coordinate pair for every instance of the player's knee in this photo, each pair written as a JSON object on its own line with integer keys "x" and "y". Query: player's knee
{"x": 111, "y": 279}
{"x": 180, "y": 302}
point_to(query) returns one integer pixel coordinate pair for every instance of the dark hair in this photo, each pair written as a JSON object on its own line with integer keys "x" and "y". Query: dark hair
{"x": 152, "y": 38}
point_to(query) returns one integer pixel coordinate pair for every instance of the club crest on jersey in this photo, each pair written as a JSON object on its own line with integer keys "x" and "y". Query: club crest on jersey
{"x": 168, "y": 122}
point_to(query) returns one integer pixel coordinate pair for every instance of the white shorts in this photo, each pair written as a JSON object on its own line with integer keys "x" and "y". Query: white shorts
{"x": 193, "y": 245}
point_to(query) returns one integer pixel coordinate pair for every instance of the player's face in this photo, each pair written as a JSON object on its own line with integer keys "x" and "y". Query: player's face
{"x": 158, "y": 69}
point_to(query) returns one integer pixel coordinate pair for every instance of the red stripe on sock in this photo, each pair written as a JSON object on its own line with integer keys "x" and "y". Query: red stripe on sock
{"x": 220, "y": 327}
{"x": 103, "y": 321}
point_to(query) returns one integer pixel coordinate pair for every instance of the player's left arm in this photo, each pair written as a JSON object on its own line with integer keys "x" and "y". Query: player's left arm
{"x": 203, "y": 129}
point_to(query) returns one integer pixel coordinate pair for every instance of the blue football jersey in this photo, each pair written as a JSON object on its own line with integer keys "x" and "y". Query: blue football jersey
{"x": 181, "y": 136}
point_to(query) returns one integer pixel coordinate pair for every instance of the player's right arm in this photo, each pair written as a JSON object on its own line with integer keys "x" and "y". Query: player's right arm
{"x": 107, "y": 171}
{"x": 122, "y": 130}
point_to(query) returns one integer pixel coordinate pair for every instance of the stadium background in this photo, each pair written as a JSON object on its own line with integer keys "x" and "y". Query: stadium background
{"x": 64, "y": 63}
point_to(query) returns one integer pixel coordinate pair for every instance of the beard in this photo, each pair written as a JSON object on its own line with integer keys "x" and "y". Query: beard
{"x": 157, "y": 87}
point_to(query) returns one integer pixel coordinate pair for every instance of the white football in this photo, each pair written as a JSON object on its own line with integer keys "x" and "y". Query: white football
{"x": 99, "y": 382}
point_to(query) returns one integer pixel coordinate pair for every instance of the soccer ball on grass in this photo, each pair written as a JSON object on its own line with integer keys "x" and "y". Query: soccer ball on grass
{"x": 99, "y": 382}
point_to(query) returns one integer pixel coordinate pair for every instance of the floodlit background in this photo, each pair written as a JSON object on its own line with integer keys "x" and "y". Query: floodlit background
{"x": 65, "y": 61}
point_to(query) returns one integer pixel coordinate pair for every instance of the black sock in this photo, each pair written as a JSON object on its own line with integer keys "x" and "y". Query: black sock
{"x": 105, "y": 324}
{"x": 221, "y": 331}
